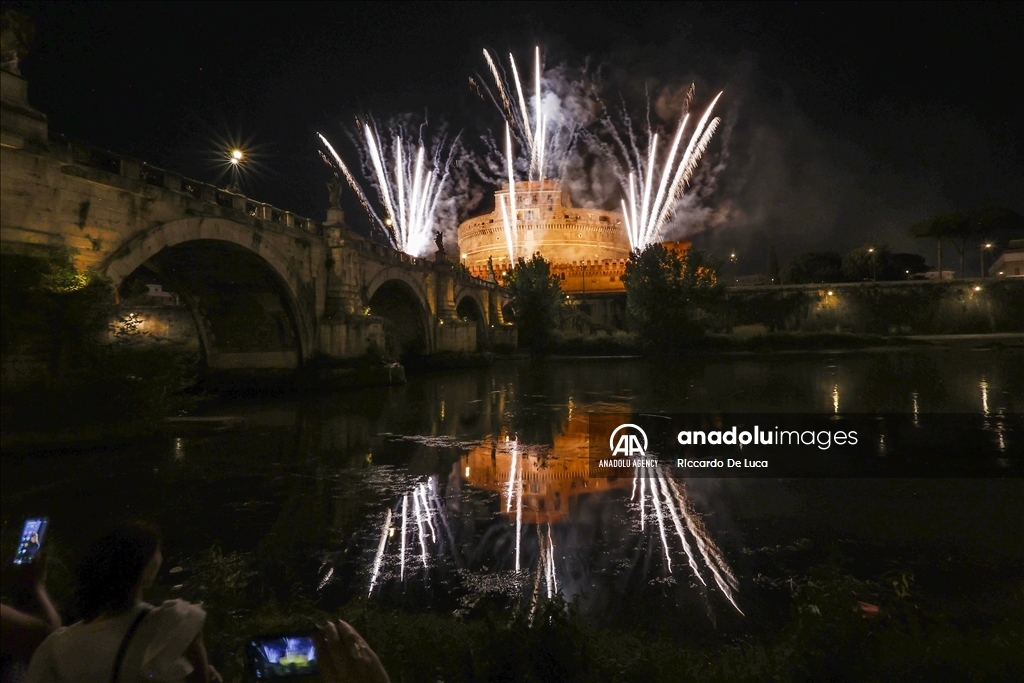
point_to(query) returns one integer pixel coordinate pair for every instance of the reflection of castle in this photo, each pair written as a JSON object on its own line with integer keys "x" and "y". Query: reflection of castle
{"x": 550, "y": 477}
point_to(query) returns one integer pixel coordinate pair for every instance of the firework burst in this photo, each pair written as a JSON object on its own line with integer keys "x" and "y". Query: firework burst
{"x": 410, "y": 179}
{"x": 654, "y": 181}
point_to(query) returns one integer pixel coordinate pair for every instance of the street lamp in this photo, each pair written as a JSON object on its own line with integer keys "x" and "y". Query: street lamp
{"x": 981, "y": 252}
{"x": 235, "y": 157}
{"x": 874, "y": 274}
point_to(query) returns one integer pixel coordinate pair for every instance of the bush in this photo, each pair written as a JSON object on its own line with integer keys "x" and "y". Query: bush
{"x": 536, "y": 301}
{"x": 671, "y": 299}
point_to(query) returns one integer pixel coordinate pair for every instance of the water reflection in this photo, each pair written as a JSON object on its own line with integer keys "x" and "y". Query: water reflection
{"x": 495, "y": 460}
{"x": 537, "y": 491}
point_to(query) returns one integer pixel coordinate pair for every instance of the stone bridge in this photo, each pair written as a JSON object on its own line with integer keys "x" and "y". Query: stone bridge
{"x": 264, "y": 287}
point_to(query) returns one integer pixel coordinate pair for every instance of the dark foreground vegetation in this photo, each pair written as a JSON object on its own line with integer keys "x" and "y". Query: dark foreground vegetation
{"x": 824, "y": 627}
{"x": 68, "y": 370}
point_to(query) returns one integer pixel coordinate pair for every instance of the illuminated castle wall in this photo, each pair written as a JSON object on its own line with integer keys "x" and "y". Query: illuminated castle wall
{"x": 576, "y": 241}
{"x": 587, "y": 248}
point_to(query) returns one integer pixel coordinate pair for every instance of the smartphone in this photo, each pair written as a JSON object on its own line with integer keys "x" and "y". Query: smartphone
{"x": 280, "y": 656}
{"x": 31, "y": 539}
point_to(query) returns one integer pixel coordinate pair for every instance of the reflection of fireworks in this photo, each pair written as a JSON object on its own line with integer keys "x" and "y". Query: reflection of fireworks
{"x": 409, "y": 186}
{"x": 425, "y": 507}
{"x": 675, "y": 502}
{"x": 534, "y": 485}
{"x": 646, "y": 215}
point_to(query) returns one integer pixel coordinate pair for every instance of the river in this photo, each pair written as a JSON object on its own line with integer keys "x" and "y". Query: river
{"x": 309, "y": 492}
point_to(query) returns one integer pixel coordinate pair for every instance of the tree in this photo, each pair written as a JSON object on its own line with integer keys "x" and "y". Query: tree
{"x": 536, "y": 301}
{"x": 814, "y": 267}
{"x": 670, "y": 298}
{"x": 773, "y": 266}
{"x": 905, "y": 265}
{"x": 869, "y": 263}
{"x": 966, "y": 226}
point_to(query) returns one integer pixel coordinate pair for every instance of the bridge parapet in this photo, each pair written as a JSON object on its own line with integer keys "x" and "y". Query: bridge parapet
{"x": 139, "y": 174}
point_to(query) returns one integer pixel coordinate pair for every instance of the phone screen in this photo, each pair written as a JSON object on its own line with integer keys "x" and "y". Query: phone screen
{"x": 31, "y": 540}
{"x": 281, "y": 656}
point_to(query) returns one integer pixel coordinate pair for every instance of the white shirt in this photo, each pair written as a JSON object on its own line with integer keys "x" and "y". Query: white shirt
{"x": 85, "y": 652}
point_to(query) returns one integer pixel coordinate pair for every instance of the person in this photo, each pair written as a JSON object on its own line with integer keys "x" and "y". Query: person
{"x": 122, "y": 638}
{"x": 27, "y": 622}
{"x": 345, "y": 657}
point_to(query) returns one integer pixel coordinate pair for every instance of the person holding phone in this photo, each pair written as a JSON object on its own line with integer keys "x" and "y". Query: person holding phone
{"x": 29, "y": 620}
{"x": 344, "y": 657}
{"x": 121, "y": 638}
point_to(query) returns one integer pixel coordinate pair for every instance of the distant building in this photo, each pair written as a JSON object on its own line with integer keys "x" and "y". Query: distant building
{"x": 165, "y": 298}
{"x": 1011, "y": 262}
{"x": 934, "y": 275}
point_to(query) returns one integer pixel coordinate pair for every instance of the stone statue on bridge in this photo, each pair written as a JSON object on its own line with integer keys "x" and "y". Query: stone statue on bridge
{"x": 439, "y": 241}
{"x": 491, "y": 275}
{"x": 334, "y": 188}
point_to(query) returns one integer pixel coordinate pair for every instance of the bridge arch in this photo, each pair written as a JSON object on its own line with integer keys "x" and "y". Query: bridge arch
{"x": 407, "y": 324}
{"x": 142, "y": 247}
{"x": 394, "y": 273}
{"x": 470, "y": 306}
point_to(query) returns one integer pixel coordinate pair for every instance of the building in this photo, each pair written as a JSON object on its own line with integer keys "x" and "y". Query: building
{"x": 157, "y": 293}
{"x": 1011, "y": 262}
{"x": 587, "y": 248}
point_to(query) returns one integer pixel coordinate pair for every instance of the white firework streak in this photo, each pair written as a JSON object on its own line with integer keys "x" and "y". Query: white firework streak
{"x": 519, "y": 514}
{"x": 645, "y": 219}
{"x": 509, "y": 216}
{"x": 405, "y": 518}
{"x": 419, "y": 527}
{"x": 352, "y": 181}
{"x": 511, "y": 477}
{"x": 380, "y": 551}
{"x": 661, "y": 523}
{"x": 537, "y": 158}
{"x": 428, "y": 513}
{"x": 499, "y": 81}
{"x": 551, "y": 562}
{"x": 643, "y": 513}
{"x": 703, "y": 543}
{"x": 632, "y": 496}
{"x": 679, "y": 529}
{"x": 524, "y": 113}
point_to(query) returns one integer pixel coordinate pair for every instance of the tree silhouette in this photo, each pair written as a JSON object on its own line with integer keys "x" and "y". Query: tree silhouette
{"x": 966, "y": 226}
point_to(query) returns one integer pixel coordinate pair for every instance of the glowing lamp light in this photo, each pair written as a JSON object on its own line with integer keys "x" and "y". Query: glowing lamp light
{"x": 830, "y": 293}
{"x": 236, "y": 156}
{"x": 977, "y": 288}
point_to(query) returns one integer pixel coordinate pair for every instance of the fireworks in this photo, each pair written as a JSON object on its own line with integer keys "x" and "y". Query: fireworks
{"x": 645, "y": 218}
{"x": 674, "y": 501}
{"x": 409, "y": 186}
{"x": 542, "y": 128}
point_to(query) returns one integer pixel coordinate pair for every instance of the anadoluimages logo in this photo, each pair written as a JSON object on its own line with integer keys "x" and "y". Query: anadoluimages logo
{"x": 628, "y": 444}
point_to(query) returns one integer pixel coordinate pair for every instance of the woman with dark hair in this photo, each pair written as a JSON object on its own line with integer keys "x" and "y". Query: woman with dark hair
{"x": 121, "y": 637}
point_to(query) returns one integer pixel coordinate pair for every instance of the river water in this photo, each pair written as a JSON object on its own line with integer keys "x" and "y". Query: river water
{"x": 484, "y": 466}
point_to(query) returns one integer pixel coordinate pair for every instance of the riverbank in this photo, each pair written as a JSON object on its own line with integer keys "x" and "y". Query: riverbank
{"x": 626, "y": 345}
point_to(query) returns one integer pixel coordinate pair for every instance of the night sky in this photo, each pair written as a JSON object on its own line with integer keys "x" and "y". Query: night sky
{"x": 842, "y": 124}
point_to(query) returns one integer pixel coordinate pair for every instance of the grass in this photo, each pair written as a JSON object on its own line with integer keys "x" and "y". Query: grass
{"x": 824, "y": 637}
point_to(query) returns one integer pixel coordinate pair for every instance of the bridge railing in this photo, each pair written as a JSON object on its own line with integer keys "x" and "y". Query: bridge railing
{"x": 134, "y": 170}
